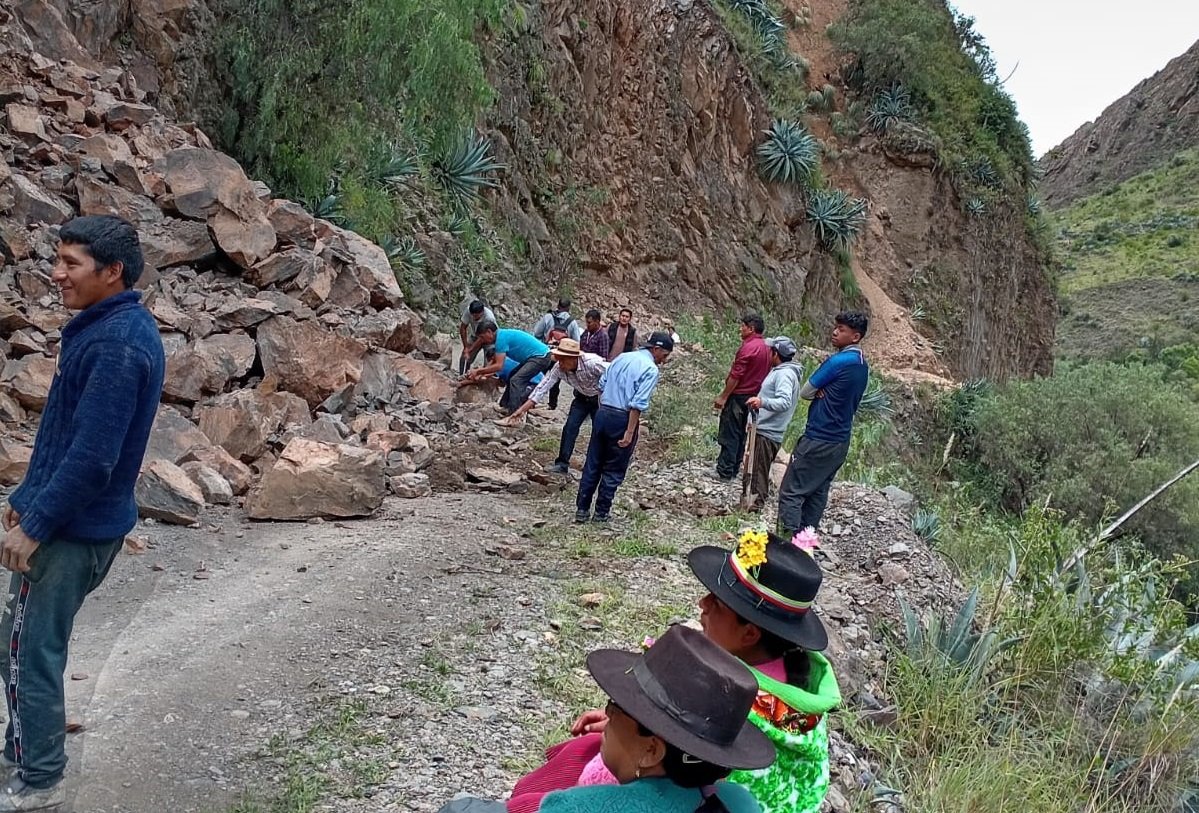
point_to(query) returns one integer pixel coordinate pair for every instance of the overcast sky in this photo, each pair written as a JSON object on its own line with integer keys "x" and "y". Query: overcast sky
{"x": 1074, "y": 57}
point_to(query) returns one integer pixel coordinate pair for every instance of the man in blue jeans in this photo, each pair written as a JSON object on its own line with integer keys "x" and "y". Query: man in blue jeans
{"x": 66, "y": 522}
{"x": 626, "y": 389}
{"x": 835, "y": 390}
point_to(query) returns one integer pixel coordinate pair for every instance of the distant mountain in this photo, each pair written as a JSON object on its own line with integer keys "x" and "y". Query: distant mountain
{"x": 1140, "y": 131}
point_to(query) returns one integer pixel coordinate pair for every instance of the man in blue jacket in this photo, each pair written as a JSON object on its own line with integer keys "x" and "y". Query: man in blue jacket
{"x": 68, "y": 519}
{"x": 835, "y": 390}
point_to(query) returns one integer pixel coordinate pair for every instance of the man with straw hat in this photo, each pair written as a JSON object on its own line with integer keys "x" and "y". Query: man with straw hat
{"x": 583, "y": 372}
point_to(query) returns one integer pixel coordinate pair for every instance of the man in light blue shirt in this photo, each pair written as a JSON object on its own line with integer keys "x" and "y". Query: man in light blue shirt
{"x": 626, "y": 389}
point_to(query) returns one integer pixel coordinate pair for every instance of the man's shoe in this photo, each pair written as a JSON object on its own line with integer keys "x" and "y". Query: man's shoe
{"x": 16, "y": 795}
{"x": 717, "y": 476}
{"x": 557, "y": 468}
{"x": 582, "y": 516}
{"x": 602, "y": 518}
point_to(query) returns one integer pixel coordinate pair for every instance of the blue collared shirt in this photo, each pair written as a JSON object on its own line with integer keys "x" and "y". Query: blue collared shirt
{"x": 630, "y": 381}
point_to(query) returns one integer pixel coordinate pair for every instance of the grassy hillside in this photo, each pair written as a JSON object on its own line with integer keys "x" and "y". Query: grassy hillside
{"x": 1143, "y": 227}
{"x": 1130, "y": 265}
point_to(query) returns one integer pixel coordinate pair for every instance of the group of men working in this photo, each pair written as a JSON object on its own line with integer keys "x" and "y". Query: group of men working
{"x": 612, "y": 379}
{"x": 762, "y": 391}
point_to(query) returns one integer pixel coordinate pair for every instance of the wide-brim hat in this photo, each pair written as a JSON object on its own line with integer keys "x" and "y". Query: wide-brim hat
{"x": 691, "y": 693}
{"x": 776, "y": 595}
{"x": 567, "y": 347}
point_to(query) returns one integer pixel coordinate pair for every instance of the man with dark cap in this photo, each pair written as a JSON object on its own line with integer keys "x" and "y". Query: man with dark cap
{"x": 626, "y": 389}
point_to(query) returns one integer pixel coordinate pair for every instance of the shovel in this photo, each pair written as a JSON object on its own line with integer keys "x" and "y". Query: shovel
{"x": 748, "y": 498}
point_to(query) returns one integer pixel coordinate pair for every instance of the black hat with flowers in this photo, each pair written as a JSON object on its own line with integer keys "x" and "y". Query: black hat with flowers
{"x": 768, "y": 581}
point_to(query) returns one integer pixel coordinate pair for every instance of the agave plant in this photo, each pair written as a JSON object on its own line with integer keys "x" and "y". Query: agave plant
{"x": 768, "y": 27}
{"x": 953, "y": 643}
{"x": 1034, "y": 205}
{"x": 888, "y": 109}
{"x": 976, "y": 207}
{"x": 789, "y": 154}
{"x": 327, "y": 208}
{"x": 467, "y": 168}
{"x": 876, "y": 402}
{"x": 404, "y": 253}
{"x": 456, "y": 223}
{"x": 981, "y": 171}
{"x": 926, "y": 525}
{"x": 836, "y": 217}
{"x": 398, "y": 170}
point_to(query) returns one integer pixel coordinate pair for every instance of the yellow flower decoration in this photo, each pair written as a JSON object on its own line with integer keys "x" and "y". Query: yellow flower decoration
{"x": 751, "y": 548}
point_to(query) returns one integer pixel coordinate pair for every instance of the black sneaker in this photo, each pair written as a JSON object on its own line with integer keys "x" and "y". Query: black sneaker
{"x": 582, "y": 516}
{"x": 557, "y": 468}
{"x": 602, "y": 518}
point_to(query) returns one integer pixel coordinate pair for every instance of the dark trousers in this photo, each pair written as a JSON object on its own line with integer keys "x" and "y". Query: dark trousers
{"x": 804, "y": 492}
{"x": 555, "y": 391}
{"x": 607, "y": 462}
{"x": 521, "y": 380}
{"x": 581, "y": 408}
{"x": 731, "y": 436}
{"x": 765, "y": 451}
{"x": 36, "y": 629}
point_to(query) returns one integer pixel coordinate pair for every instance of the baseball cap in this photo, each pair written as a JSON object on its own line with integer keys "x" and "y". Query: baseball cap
{"x": 661, "y": 340}
{"x": 784, "y": 347}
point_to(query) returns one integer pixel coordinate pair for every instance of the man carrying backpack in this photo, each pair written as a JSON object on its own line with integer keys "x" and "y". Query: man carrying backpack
{"x": 552, "y": 328}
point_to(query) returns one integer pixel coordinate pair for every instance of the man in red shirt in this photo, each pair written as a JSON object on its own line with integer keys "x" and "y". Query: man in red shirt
{"x": 750, "y": 367}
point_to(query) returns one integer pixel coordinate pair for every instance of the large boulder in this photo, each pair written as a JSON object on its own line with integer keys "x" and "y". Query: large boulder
{"x": 396, "y": 329}
{"x": 14, "y": 461}
{"x": 369, "y": 265}
{"x": 425, "y": 382}
{"x": 207, "y": 365}
{"x": 164, "y": 492}
{"x": 32, "y": 204}
{"x": 284, "y": 266}
{"x": 173, "y": 436}
{"x": 210, "y": 186}
{"x": 215, "y": 488}
{"x": 308, "y": 360}
{"x": 314, "y": 479}
{"x": 239, "y": 476}
{"x": 176, "y": 242}
{"x": 28, "y": 380}
{"x": 242, "y": 422}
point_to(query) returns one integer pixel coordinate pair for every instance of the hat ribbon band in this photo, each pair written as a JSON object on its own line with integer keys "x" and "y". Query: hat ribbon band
{"x": 765, "y": 593}
{"x": 697, "y": 724}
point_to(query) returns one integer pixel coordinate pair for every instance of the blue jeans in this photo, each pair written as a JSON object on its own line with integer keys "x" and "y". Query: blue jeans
{"x": 581, "y": 408}
{"x": 607, "y": 462}
{"x": 36, "y": 629}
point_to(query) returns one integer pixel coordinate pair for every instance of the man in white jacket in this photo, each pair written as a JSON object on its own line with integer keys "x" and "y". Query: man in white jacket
{"x": 775, "y": 405}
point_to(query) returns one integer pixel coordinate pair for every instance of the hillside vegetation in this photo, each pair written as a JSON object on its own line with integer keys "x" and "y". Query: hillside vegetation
{"x": 1143, "y": 227}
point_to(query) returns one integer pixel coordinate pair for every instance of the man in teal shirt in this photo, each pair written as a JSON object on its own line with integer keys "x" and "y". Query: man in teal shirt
{"x": 532, "y": 356}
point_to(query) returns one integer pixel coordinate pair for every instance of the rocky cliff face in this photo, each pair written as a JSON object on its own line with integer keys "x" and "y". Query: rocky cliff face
{"x": 1139, "y": 131}
{"x": 629, "y": 129}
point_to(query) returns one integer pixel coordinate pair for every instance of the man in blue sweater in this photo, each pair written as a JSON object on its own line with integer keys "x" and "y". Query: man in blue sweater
{"x": 835, "y": 390}
{"x": 67, "y": 521}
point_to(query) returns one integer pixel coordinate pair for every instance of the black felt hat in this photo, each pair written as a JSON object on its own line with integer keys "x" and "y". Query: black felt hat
{"x": 776, "y": 595}
{"x": 691, "y": 693}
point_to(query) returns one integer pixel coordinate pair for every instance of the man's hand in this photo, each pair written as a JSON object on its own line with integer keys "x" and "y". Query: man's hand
{"x": 719, "y": 403}
{"x": 589, "y": 722}
{"x": 819, "y": 394}
{"x": 754, "y": 403}
{"x": 18, "y": 549}
{"x": 11, "y": 518}
{"x": 626, "y": 441}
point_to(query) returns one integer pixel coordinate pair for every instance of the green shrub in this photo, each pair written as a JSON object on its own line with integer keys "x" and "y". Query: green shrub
{"x": 943, "y": 63}
{"x": 789, "y": 154}
{"x": 1091, "y": 440}
{"x": 334, "y": 91}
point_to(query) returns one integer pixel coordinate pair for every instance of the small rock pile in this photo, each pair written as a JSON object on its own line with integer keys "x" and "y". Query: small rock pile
{"x": 296, "y": 379}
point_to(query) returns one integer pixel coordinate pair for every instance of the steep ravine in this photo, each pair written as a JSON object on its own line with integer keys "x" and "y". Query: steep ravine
{"x": 629, "y": 128}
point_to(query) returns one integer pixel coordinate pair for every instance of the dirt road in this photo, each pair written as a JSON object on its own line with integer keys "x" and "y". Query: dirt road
{"x": 194, "y": 653}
